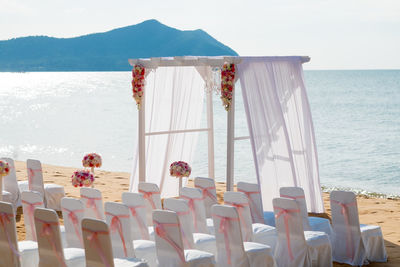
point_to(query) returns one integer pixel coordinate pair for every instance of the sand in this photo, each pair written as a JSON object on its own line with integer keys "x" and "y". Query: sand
{"x": 382, "y": 212}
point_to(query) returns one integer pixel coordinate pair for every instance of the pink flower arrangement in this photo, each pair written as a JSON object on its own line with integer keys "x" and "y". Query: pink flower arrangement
{"x": 82, "y": 178}
{"x": 91, "y": 160}
{"x": 180, "y": 169}
{"x": 138, "y": 81}
{"x": 227, "y": 84}
{"x": 4, "y": 168}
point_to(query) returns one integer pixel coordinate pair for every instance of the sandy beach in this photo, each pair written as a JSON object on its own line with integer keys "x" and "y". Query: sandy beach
{"x": 377, "y": 211}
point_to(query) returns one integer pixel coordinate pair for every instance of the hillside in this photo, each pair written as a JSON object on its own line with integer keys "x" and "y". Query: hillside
{"x": 106, "y": 51}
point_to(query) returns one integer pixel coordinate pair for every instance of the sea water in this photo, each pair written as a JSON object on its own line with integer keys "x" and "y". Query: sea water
{"x": 57, "y": 117}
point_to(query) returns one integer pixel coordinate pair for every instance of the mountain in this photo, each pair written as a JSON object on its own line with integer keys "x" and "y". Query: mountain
{"x": 106, "y": 51}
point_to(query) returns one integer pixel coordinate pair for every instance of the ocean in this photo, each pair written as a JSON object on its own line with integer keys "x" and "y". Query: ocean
{"x": 57, "y": 117}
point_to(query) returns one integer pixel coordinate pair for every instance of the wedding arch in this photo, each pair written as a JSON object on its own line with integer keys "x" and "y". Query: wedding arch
{"x": 170, "y": 94}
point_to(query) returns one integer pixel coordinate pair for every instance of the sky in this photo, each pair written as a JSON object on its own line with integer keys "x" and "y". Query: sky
{"x": 336, "y": 34}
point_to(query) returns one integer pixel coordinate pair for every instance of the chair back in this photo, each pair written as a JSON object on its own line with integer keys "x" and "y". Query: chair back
{"x": 30, "y": 201}
{"x": 240, "y": 201}
{"x": 209, "y": 192}
{"x": 97, "y": 243}
{"x": 197, "y": 208}
{"x": 297, "y": 194}
{"x": 291, "y": 244}
{"x": 35, "y": 176}
{"x": 167, "y": 235}
{"x": 47, "y": 226}
{"x": 253, "y": 193}
{"x": 136, "y": 204}
{"x": 119, "y": 222}
{"x": 346, "y": 239}
{"x": 9, "y": 254}
{"x": 73, "y": 212}
{"x": 152, "y": 199}
{"x": 93, "y": 203}
{"x": 228, "y": 235}
{"x": 10, "y": 183}
{"x": 181, "y": 207}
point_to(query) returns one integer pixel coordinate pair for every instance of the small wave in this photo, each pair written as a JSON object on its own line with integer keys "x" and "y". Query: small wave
{"x": 361, "y": 192}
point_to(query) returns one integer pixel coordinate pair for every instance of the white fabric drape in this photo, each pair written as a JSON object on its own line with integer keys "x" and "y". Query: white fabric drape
{"x": 174, "y": 101}
{"x": 281, "y": 128}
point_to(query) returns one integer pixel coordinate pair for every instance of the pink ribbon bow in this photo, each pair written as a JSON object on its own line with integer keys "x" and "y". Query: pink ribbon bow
{"x": 47, "y": 231}
{"x": 224, "y": 226}
{"x": 91, "y": 203}
{"x": 94, "y": 240}
{"x": 116, "y": 225}
{"x": 192, "y": 209}
{"x": 75, "y": 222}
{"x": 149, "y": 197}
{"x": 206, "y": 191}
{"x": 286, "y": 217}
{"x": 31, "y": 174}
{"x": 240, "y": 207}
{"x": 162, "y": 233}
{"x": 142, "y": 226}
{"x": 253, "y": 206}
{"x": 4, "y": 220}
{"x": 30, "y": 209}
{"x": 349, "y": 237}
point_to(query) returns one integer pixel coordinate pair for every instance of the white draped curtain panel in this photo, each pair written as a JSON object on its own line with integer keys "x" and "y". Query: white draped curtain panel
{"x": 281, "y": 128}
{"x": 174, "y": 101}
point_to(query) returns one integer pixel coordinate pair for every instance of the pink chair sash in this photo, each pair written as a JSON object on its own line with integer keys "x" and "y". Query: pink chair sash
{"x": 253, "y": 206}
{"x": 31, "y": 174}
{"x": 162, "y": 233}
{"x": 239, "y": 208}
{"x": 91, "y": 203}
{"x": 149, "y": 197}
{"x": 224, "y": 226}
{"x": 47, "y": 231}
{"x": 184, "y": 235}
{"x": 75, "y": 222}
{"x": 286, "y": 217}
{"x": 206, "y": 191}
{"x": 116, "y": 225}
{"x": 349, "y": 237}
{"x": 4, "y": 220}
{"x": 30, "y": 210}
{"x": 94, "y": 240}
{"x": 192, "y": 209}
{"x": 143, "y": 228}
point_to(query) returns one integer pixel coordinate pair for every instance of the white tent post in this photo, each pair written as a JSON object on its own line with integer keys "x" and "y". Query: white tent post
{"x": 210, "y": 126}
{"x": 230, "y": 151}
{"x": 142, "y": 141}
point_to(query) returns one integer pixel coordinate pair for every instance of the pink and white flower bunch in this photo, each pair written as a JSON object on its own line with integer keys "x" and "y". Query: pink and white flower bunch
{"x": 82, "y": 178}
{"x": 227, "y": 84}
{"x": 180, "y": 169}
{"x": 138, "y": 81}
{"x": 4, "y": 168}
{"x": 91, "y": 160}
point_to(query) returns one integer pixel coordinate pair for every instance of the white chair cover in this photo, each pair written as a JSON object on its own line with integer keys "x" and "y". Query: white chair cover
{"x": 169, "y": 245}
{"x": 353, "y": 244}
{"x": 309, "y": 223}
{"x": 30, "y": 201}
{"x": 253, "y": 193}
{"x": 98, "y": 248}
{"x": 232, "y": 251}
{"x": 137, "y": 208}
{"x": 51, "y": 252}
{"x": 13, "y": 253}
{"x": 93, "y": 203}
{"x": 73, "y": 212}
{"x": 200, "y": 241}
{"x": 10, "y": 184}
{"x": 197, "y": 208}
{"x": 151, "y": 195}
{"x": 209, "y": 192}
{"x": 294, "y": 246}
{"x": 119, "y": 221}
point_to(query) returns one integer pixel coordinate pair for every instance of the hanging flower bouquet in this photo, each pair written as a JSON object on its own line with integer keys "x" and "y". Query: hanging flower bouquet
{"x": 91, "y": 160}
{"x": 138, "y": 81}
{"x": 82, "y": 178}
{"x": 4, "y": 168}
{"x": 227, "y": 84}
{"x": 180, "y": 169}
